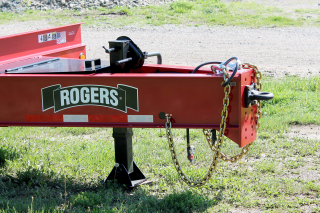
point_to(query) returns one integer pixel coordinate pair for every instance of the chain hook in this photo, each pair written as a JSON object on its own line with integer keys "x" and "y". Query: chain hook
{"x": 168, "y": 116}
{"x": 226, "y": 75}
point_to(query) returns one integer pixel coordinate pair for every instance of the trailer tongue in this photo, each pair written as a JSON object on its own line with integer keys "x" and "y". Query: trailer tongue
{"x": 48, "y": 82}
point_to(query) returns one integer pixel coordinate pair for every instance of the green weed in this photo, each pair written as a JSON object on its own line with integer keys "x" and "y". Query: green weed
{"x": 266, "y": 166}
{"x": 181, "y": 12}
{"x": 293, "y": 96}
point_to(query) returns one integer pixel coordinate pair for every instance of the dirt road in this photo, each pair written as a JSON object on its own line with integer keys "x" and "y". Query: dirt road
{"x": 276, "y": 51}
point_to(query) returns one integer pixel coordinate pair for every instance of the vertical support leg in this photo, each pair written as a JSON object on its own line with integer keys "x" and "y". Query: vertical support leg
{"x": 123, "y": 147}
{"x": 125, "y": 170}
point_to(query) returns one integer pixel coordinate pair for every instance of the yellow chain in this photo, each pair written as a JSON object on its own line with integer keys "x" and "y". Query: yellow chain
{"x": 222, "y": 156}
{"x": 224, "y": 115}
{"x": 245, "y": 149}
{"x": 216, "y": 149}
{"x": 258, "y": 76}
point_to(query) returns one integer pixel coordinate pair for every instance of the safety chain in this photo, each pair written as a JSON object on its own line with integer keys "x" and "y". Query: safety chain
{"x": 224, "y": 116}
{"x": 258, "y": 76}
{"x": 222, "y": 156}
{"x": 245, "y": 149}
{"x": 216, "y": 149}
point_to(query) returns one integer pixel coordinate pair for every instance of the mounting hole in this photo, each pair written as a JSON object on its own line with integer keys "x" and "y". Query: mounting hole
{"x": 162, "y": 115}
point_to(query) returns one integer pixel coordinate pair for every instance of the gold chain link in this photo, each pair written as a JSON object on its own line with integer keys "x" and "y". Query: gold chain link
{"x": 222, "y": 156}
{"x": 216, "y": 149}
{"x": 258, "y": 76}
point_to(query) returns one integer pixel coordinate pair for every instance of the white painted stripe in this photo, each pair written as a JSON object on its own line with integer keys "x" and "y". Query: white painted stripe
{"x": 140, "y": 118}
{"x": 75, "y": 118}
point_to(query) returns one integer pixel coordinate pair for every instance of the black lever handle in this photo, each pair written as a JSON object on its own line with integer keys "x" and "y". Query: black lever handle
{"x": 108, "y": 50}
{"x": 123, "y": 61}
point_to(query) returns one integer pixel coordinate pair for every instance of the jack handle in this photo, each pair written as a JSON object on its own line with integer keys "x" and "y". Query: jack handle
{"x": 146, "y": 55}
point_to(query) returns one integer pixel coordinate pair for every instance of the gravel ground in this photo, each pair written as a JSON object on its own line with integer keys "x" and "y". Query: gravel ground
{"x": 276, "y": 51}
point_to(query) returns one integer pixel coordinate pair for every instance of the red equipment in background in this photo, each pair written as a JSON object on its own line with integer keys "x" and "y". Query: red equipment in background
{"x": 34, "y": 44}
{"x": 49, "y": 85}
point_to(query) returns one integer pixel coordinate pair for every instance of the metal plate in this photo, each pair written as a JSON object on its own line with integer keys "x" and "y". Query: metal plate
{"x": 52, "y": 65}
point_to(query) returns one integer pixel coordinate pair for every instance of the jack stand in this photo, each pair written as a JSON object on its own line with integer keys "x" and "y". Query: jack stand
{"x": 124, "y": 55}
{"x": 125, "y": 170}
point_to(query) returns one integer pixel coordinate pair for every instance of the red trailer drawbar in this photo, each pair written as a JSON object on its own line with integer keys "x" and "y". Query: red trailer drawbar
{"x": 51, "y": 83}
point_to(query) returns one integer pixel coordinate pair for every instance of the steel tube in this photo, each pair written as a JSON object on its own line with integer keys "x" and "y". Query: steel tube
{"x": 158, "y": 56}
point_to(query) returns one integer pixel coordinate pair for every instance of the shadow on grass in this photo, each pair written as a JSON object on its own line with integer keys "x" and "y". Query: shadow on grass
{"x": 7, "y": 153}
{"x": 185, "y": 201}
{"x": 32, "y": 189}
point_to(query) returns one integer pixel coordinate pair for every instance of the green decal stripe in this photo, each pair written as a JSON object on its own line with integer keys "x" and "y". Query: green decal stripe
{"x": 132, "y": 96}
{"x": 47, "y": 96}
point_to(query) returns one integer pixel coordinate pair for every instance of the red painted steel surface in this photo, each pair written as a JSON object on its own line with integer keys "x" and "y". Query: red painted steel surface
{"x": 194, "y": 100}
{"x": 26, "y": 45}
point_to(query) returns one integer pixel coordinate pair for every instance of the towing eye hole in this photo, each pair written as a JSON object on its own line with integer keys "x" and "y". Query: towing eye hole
{"x": 251, "y": 94}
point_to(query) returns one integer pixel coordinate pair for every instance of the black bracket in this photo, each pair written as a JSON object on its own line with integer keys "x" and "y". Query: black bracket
{"x": 134, "y": 52}
{"x": 122, "y": 176}
{"x": 251, "y": 94}
{"x": 124, "y": 55}
{"x": 92, "y": 64}
{"x": 125, "y": 170}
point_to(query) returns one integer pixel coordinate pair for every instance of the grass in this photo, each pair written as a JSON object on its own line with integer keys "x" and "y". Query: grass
{"x": 181, "y": 12}
{"x": 302, "y": 99}
{"x": 61, "y": 169}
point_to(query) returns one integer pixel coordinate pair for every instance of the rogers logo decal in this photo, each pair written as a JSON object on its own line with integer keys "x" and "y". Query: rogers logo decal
{"x": 120, "y": 97}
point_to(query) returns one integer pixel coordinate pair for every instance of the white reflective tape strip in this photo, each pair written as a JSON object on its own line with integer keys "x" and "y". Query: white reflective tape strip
{"x": 75, "y": 118}
{"x": 140, "y": 118}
